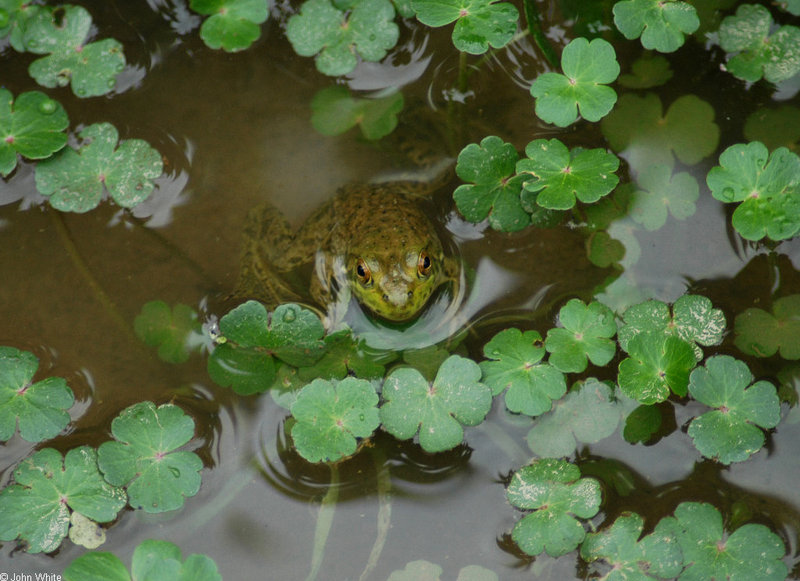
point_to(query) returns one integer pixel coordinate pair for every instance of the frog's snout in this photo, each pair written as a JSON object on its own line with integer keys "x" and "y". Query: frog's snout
{"x": 397, "y": 290}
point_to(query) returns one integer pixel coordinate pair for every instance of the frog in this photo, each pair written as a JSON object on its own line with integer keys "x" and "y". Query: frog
{"x": 375, "y": 242}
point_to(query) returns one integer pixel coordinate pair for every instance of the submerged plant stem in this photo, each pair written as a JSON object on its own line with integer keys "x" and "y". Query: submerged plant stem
{"x": 535, "y": 28}
{"x": 327, "y": 509}
{"x": 384, "y": 486}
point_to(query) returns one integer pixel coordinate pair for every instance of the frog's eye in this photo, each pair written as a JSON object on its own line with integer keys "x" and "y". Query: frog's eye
{"x": 363, "y": 273}
{"x": 424, "y": 264}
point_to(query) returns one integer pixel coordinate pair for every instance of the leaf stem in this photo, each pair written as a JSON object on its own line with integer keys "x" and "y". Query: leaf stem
{"x": 327, "y": 509}
{"x": 535, "y": 28}
{"x": 384, "y": 487}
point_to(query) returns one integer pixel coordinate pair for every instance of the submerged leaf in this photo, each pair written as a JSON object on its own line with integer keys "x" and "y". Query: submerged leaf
{"x": 763, "y": 334}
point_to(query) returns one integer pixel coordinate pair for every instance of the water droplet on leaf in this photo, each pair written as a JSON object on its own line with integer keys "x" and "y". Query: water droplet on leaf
{"x": 47, "y": 107}
{"x": 289, "y": 316}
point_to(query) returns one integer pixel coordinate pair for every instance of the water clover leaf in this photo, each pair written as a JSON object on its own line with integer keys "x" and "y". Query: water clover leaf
{"x": 40, "y": 408}
{"x": 479, "y": 23}
{"x": 657, "y": 365}
{"x": 751, "y": 552}
{"x": 142, "y": 456}
{"x": 331, "y": 416}
{"x": 437, "y": 410}
{"x": 646, "y": 72}
{"x": 233, "y": 24}
{"x": 660, "y": 23}
{"x": 514, "y": 362}
{"x": 587, "y": 415}
{"x": 658, "y": 192}
{"x": 74, "y": 179}
{"x": 564, "y": 175}
{"x": 791, "y": 6}
{"x": 774, "y": 56}
{"x": 334, "y": 111}
{"x": 763, "y": 334}
{"x": 767, "y": 185}
{"x": 633, "y": 557}
{"x": 61, "y": 33}
{"x": 586, "y": 332}
{"x": 33, "y": 126}
{"x": 558, "y": 495}
{"x": 588, "y": 67}
{"x": 494, "y": 190}
{"x": 245, "y": 371}
{"x": 367, "y": 29}
{"x": 37, "y": 508}
{"x": 774, "y": 127}
{"x": 422, "y": 570}
{"x": 731, "y": 431}
{"x": 343, "y": 356}
{"x": 171, "y": 329}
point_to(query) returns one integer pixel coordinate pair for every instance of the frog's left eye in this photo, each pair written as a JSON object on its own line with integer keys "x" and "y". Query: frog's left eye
{"x": 424, "y": 264}
{"x": 363, "y": 273}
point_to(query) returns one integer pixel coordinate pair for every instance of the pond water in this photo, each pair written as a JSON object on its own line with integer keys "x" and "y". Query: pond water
{"x": 234, "y": 131}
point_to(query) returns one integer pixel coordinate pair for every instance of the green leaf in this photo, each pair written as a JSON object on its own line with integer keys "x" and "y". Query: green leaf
{"x": 97, "y": 566}
{"x": 479, "y": 23}
{"x": 74, "y": 179}
{"x": 559, "y": 497}
{"x": 631, "y": 556}
{"x": 142, "y": 456}
{"x": 494, "y": 191}
{"x": 641, "y": 424}
{"x": 563, "y": 175}
{"x": 334, "y": 111}
{"x": 91, "y": 69}
{"x": 751, "y": 552}
{"x": 774, "y": 128}
{"x": 646, "y": 72}
{"x": 172, "y": 330}
{"x": 763, "y": 334}
{"x": 638, "y": 131}
{"x": 437, "y": 410}
{"x": 790, "y": 6}
{"x": 36, "y": 509}
{"x": 337, "y": 36}
{"x": 730, "y": 433}
{"x": 233, "y": 25}
{"x": 515, "y": 364}
{"x": 331, "y": 416}
{"x": 661, "y": 23}
{"x": 660, "y": 191}
{"x": 39, "y": 407}
{"x": 586, "y": 333}
{"x": 345, "y": 356}
{"x": 245, "y": 370}
{"x": 588, "y": 67}
{"x": 657, "y": 365}
{"x": 586, "y": 415}
{"x": 767, "y": 185}
{"x": 774, "y": 56}
{"x": 33, "y": 127}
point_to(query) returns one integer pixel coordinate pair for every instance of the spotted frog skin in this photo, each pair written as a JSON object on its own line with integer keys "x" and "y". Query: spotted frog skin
{"x": 375, "y": 240}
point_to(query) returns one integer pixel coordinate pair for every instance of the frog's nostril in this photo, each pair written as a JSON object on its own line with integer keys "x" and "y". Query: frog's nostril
{"x": 410, "y": 294}
{"x": 386, "y": 298}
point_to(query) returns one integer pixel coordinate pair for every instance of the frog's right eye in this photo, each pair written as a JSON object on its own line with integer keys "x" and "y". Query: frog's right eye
{"x": 363, "y": 273}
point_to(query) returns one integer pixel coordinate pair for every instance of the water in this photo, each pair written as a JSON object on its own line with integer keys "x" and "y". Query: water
{"x": 234, "y": 130}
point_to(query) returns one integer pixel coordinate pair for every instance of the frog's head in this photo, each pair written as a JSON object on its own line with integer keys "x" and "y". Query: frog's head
{"x": 398, "y": 285}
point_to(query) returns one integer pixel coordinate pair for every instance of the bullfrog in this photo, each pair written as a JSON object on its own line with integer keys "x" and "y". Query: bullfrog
{"x": 374, "y": 242}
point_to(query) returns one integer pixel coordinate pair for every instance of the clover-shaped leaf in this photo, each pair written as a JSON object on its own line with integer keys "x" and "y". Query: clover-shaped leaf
{"x": 661, "y": 23}
{"x": 61, "y": 33}
{"x": 774, "y": 56}
{"x": 660, "y": 191}
{"x": 559, "y": 496}
{"x": 657, "y": 364}
{"x": 774, "y": 127}
{"x": 331, "y": 416}
{"x": 588, "y": 67}
{"x": 633, "y": 557}
{"x": 422, "y": 570}
{"x": 494, "y": 189}
{"x": 479, "y": 23}
{"x": 175, "y": 331}
{"x": 437, "y": 410}
{"x": 37, "y": 507}
{"x": 751, "y": 552}
{"x": 730, "y": 432}
{"x": 246, "y": 371}
{"x": 367, "y": 29}
{"x": 515, "y": 363}
{"x": 142, "y": 456}
{"x": 344, "y": 355}
{"x": 587, "y": 415}
{"x": 643, "y": 135}
{"x": 693, "y": 319}
{"x": 39, "y": 407}
{"x": 586, "y": 332}
{"x": 233, "y": 24}
{"x": 74, "y": 179}
{"x": 33, "y": 126}
{"x": 763, "y": 334}
{"x": 564, "y": 175}
{"x": 646, "y": 72}
{"x": 152, "y": 560}
{"x": 767, "y": 185}
{"x": 334, "y": 111}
